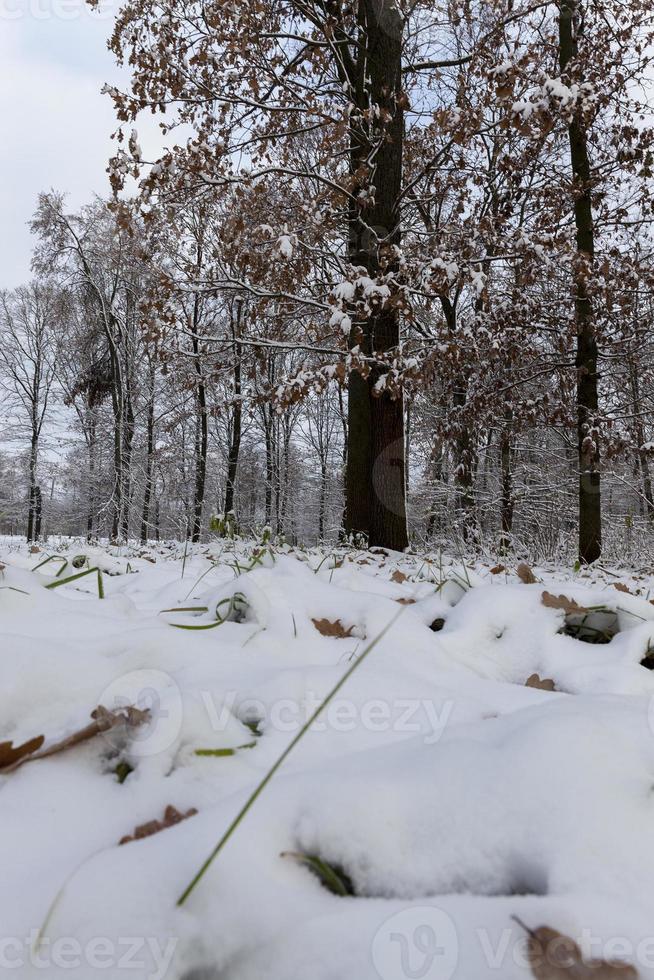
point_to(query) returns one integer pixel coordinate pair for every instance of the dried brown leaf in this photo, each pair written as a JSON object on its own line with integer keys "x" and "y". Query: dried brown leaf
{"x": 328, "y": 628}
{"x": 171, "y": 817}
{"x": 525, "y": 574}
{"x": 541, "y": 684}
{"x": 497, "y": 569}
{"x": 622, "y": 588}
{"x": 398, "y": 576}
{"x": 103, "y": 721}
{"x": 10, "y": 754}
{"x": 554, "y": 956}
{"x": 562, "y": 602}
{"x": 405, "y": 602}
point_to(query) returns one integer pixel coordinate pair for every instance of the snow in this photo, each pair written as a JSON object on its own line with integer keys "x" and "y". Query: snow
{"x": 454, "y": 796}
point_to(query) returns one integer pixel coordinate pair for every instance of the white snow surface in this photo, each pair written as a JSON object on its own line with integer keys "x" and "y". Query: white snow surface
{"x": 452, "y": 795}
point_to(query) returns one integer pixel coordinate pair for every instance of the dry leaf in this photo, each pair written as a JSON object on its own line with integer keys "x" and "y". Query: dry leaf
{"x": 34, "y": 550}
{"x": 328, "y": 628}
{"x": 554, "y": 956}
{"x": 562, "y": 602}
{"x": 540, "y": 683}
{"x": 497, "y": 569}
{"x": 525, "y": 574}
{"x": 103, "y": 721}
{"x": 405, "y": 602}
{"x": 398, "y": 576}
{"x": 622, "y": 588}
{"x": 170, "y": 818}
{"x": 10, "y": 754}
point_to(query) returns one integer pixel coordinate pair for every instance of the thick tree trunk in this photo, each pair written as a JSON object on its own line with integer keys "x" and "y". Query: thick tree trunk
{"x": 590, "y": 512}
{"x": 375, "y": 476}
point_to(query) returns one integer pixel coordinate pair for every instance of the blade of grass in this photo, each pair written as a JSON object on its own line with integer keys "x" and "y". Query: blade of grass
{"x": 197, "y": 878}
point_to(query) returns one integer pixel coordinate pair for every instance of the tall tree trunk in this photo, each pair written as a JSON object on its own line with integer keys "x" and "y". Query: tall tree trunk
{"x": 235, "y": 434}
{"x": 91, "y": 441}
{"x": 32, "y": 532}
{"x": 128, "y": 446}
{"x": 149, "y": 460}
{"x": 590, "y": 512}
{"x": 201, "y": 430}
{"x": 375, "y": 476}
{"x": 643, "y": 459}
{"x": 270, "y": 470}
{"x": 506, "y": 507}
{"x": 322, "y": 502}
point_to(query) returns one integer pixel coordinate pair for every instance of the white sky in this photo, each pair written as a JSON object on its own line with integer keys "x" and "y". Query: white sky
{"x": 56, "y": 126}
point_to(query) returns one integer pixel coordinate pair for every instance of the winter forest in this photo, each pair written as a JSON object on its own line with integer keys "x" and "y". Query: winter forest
{"x": 390, "y": 280}
{"x": 327, "y": 490}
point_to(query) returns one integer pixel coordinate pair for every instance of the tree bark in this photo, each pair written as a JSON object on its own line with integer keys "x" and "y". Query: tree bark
{"x": 149, "y": 460}
{"x": 201, "y": 429}
{"x": 375, "y": 477}
{"x": 237, "y": 414}
{"x": 588, "y": 451}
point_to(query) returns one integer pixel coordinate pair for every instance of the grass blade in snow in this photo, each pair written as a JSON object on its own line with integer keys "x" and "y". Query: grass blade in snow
{"x": 197, "y": 878}
{"x": 332, "y": 878}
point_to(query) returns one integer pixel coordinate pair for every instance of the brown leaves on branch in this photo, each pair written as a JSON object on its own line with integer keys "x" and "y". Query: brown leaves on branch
{"x": 554, "y": 956}
{"x": 11, "y": 757}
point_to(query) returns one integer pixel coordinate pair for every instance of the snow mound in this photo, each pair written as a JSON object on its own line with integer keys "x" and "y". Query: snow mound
{"x": 446, "y": 794}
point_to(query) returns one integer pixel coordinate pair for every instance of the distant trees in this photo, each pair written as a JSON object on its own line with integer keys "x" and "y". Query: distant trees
{"x": 29, "y": 318}
{"x": 383, "y": 210}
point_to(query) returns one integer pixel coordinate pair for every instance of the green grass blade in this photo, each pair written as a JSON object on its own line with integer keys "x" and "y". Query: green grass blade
{"x": 197, "y": 878}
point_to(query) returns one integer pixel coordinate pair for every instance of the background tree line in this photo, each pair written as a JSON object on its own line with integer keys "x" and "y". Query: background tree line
{"x": 395, "y": 277}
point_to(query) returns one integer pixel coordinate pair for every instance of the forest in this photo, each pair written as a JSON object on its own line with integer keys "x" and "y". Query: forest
{"x": 326, "y": 491}
{"x": 390, "y": 280}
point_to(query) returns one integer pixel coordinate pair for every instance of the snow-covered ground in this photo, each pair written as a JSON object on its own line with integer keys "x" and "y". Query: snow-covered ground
{"x": 447, "y": 793}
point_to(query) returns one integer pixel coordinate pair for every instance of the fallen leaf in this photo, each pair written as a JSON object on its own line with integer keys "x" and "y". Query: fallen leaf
{"x": 171, "y": 817}
{"x": 554, "y": 956}
{"x": 103, "y": 721}
{"x": 34, "y": 550}
{"x": 525, "y": 574}
{"x": 540, "y": 683}
{"x": 622, "y": 588}
{"x": 10, "y": 754}
{"x": 405, "y": 602}
{"x": 437, "y": 625}
{"x": 328, "y": 628}
{"x": 562, "y": 602}
{"x": 497, "y": 569}
{"x": 398, "y": 576}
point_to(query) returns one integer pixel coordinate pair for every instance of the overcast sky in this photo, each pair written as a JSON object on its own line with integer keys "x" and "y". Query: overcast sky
{"x": 56, "y": 125}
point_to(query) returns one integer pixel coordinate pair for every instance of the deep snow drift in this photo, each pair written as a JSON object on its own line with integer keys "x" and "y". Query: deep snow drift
{"x": 449, "y": 795}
